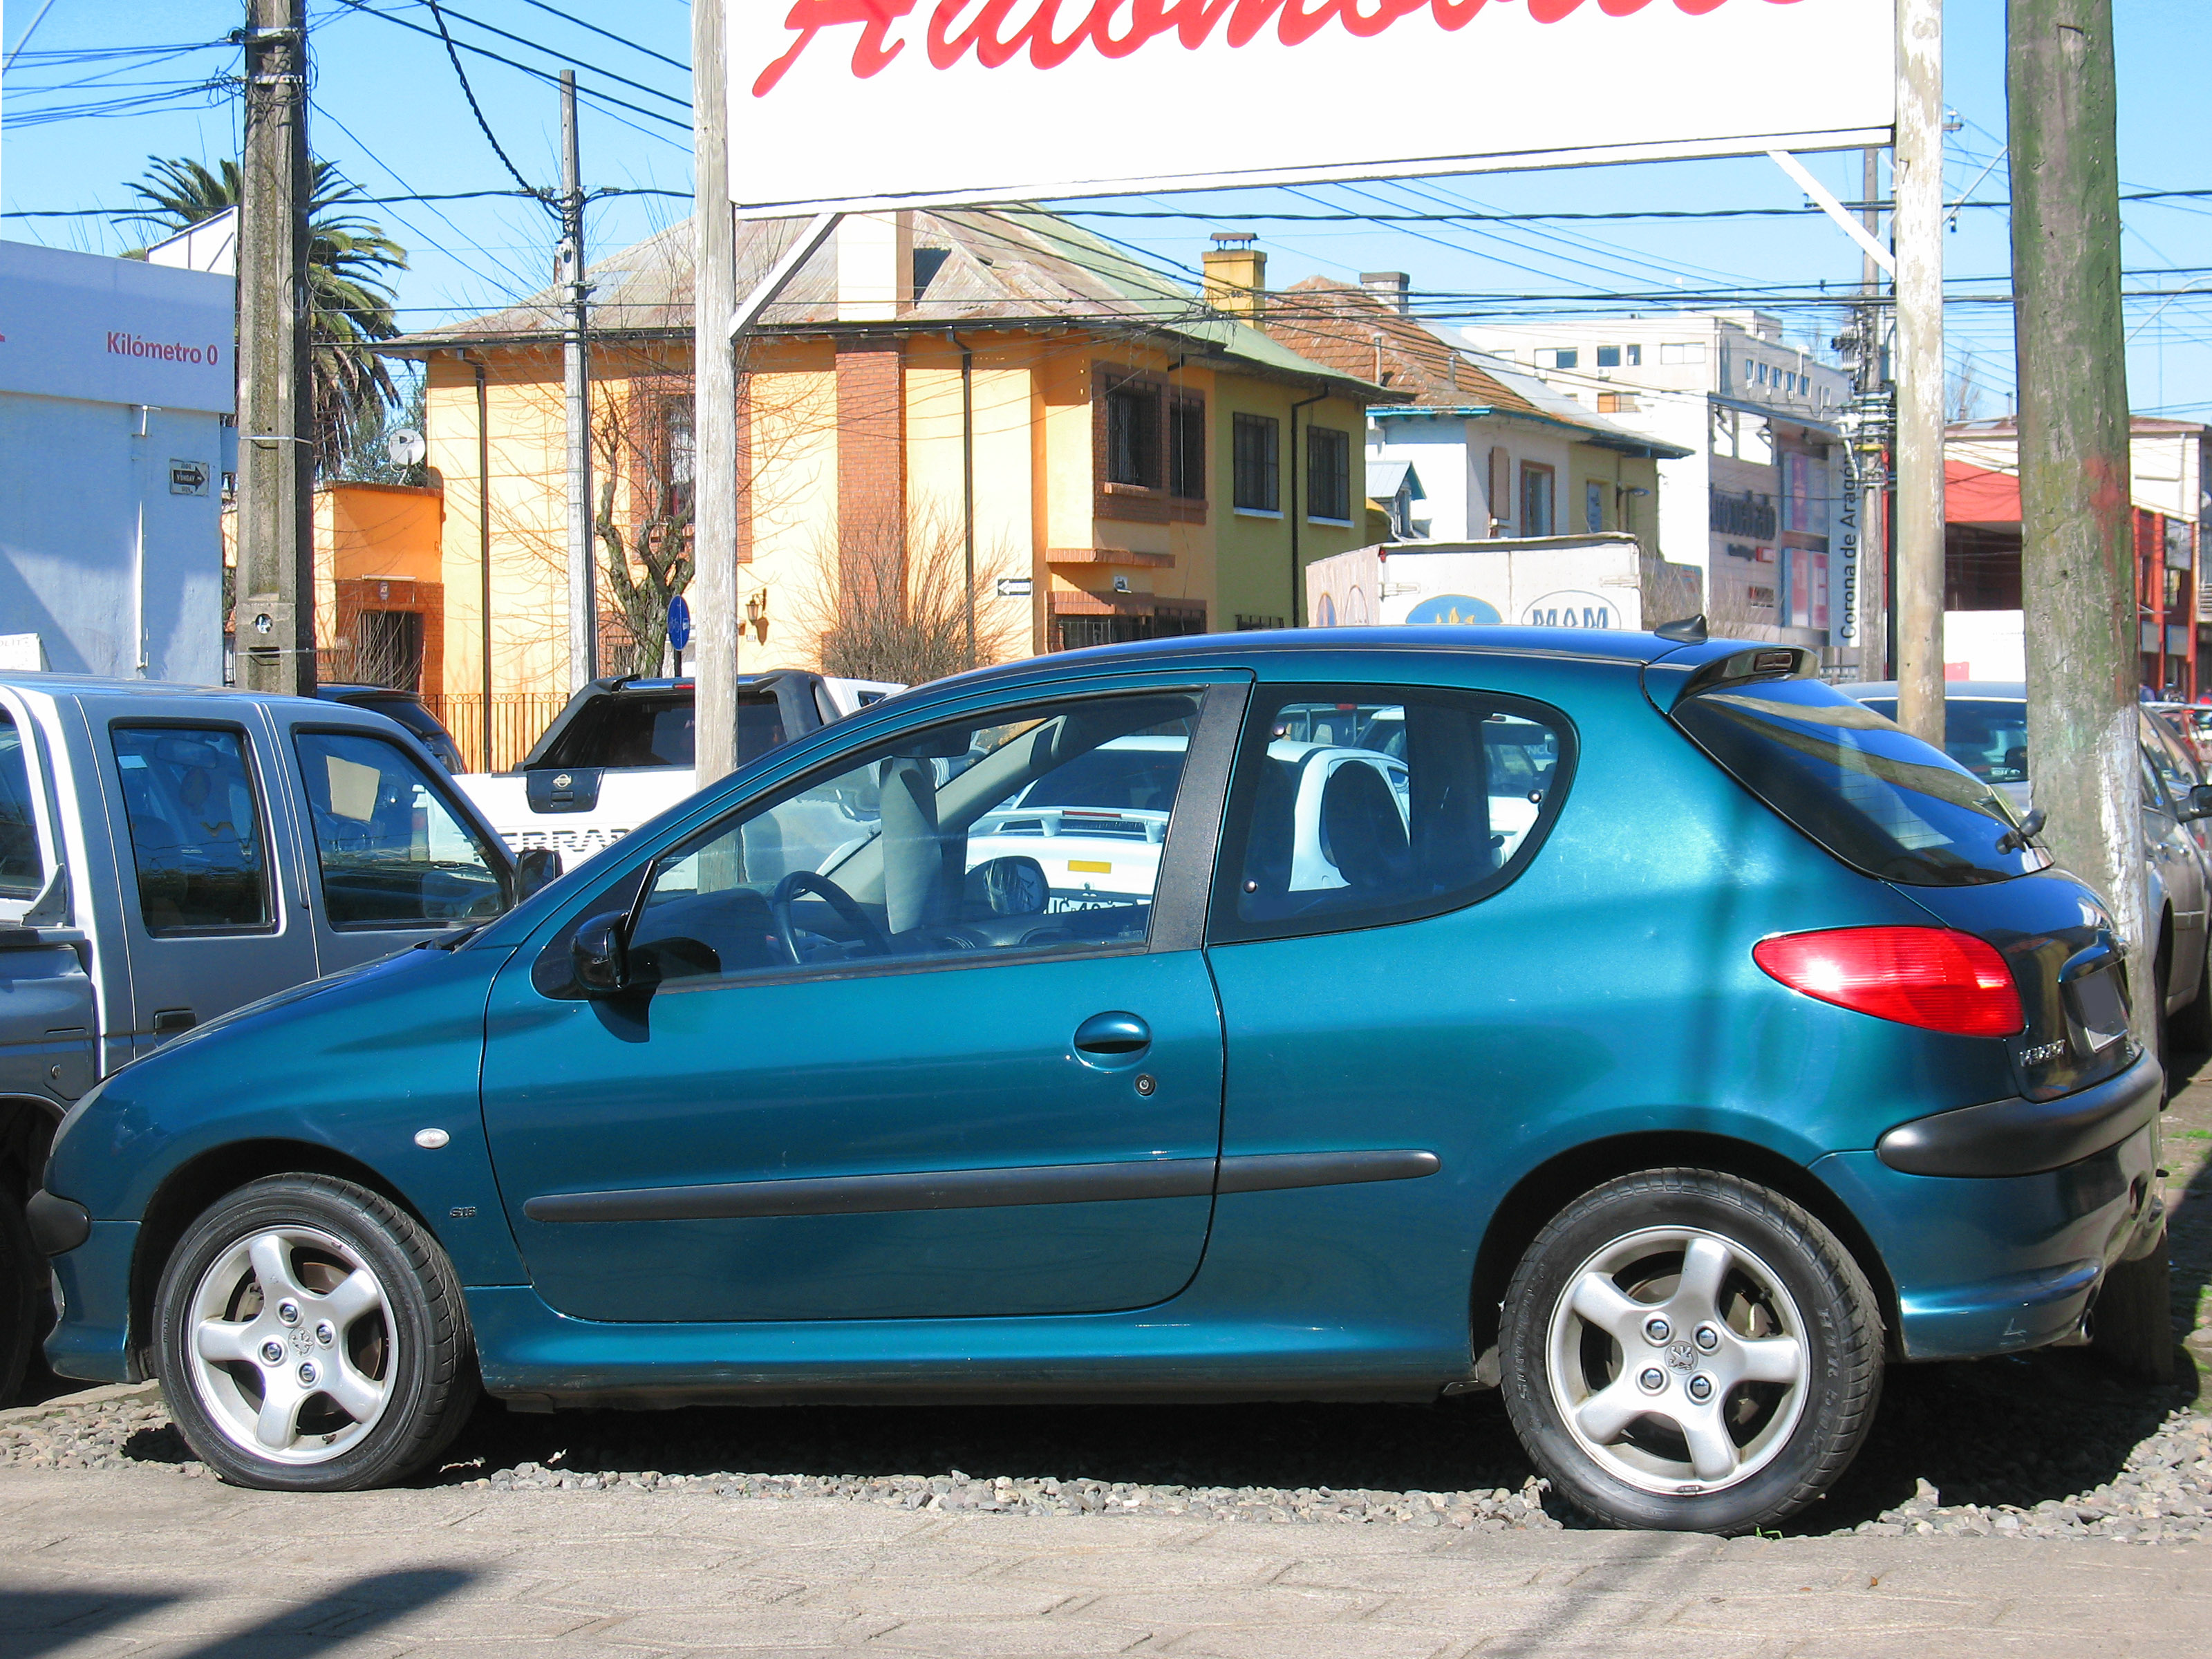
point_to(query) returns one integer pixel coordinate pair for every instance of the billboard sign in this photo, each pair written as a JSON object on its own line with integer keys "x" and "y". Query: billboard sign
{"x": 860, "y": 104}
{"x": 114, "y": 330}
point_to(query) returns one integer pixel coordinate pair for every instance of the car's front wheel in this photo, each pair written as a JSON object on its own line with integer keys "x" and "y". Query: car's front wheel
{"x": 311, "y": 1337}
{"x": 1687, "y": 1350}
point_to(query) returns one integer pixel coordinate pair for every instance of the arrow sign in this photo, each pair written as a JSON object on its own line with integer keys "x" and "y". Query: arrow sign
{"x": 188, "y": 477}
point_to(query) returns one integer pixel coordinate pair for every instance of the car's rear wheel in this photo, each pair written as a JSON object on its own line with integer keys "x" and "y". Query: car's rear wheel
{"x": 2131, "y": 1322}
{"x": 1685, "y": 1349}
{"x": 311, "y": 1337}
{"x": 23, "y": 1316}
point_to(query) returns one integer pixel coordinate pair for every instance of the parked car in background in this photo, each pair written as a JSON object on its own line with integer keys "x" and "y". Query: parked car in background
{"x": 1985, "y": 731}
{"x": 2190, "y": 724}
{"x": 170, "y": 853}
{"x": 407, "y": 709}
{"x": 1756, "y": 1048}
{"x": 622, "y": 751}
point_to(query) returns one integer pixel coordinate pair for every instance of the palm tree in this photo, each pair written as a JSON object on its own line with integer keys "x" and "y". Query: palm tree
{"x": 350, "y": 301}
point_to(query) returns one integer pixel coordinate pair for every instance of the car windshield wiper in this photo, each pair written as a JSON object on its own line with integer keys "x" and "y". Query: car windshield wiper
{"x": 452, "y": 938}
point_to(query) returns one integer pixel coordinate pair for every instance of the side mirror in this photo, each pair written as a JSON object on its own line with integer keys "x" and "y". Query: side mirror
{"x": 2199, "y": 804}
{"x": 536, "y": 868}
{"x": 600, "y": 956}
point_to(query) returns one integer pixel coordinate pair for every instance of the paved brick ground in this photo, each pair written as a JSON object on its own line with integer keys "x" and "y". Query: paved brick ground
{"x": 141, "y": 1563}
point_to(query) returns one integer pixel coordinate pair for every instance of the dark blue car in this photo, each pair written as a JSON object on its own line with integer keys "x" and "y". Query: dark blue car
{"x": 1642, "y": 1027}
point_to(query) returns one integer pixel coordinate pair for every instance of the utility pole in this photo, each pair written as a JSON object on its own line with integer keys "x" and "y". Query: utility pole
{"x": 714, "y": 413}
{"x": 275, "y": 595}
{"x": 2077, "y": 565}
{"x": 1916, "y": 179}
{"x": 1867, "y": 427}
{"x": 576, "y": 372}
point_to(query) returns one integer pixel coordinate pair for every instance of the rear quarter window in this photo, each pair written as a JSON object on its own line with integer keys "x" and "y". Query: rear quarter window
{"x": 1859, "y": 785}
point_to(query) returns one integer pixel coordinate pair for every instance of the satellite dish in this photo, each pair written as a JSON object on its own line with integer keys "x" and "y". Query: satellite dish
{"x": 406, "y": 447}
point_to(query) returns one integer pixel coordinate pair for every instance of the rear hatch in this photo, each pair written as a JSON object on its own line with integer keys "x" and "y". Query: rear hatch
{"x": 1902, "y": 811}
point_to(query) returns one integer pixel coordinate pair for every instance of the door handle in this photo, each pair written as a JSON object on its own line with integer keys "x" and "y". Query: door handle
{"x": 1113, "y": 1035}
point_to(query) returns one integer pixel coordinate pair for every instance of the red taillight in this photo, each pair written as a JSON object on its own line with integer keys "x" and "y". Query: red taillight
{"x": 1931, "y": 977}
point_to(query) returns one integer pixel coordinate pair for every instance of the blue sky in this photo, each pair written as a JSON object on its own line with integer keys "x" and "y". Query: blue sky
{"x": 388, "y": 109}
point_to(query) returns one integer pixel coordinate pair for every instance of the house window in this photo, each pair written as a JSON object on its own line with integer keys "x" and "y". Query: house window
{"x": 1186, "y": 449}
{"x": 1257, "y": 440}
{"x": 1253, "y": 624}
{"x": 1635, "y": 355}
{"x": 1683, "y": 351}
{"x": 676, "y": 463}
{"x": 1593, "y": 505}
{"x": 1498, "y": 488}
{"x": 1559, "y": 358}
{"x": 1616, "y": 402}
{"x": 1328, "y": 474}
{"x": 1536, "y": 500}
{"x": 1608, "y": 356}
{"x": 1132, "y": 436}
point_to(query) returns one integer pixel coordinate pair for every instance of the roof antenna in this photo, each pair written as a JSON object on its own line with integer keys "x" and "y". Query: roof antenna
{"x": 1690, "y": 630}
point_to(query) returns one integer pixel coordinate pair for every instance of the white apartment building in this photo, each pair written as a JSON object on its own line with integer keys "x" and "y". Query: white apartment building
{"x": 1759, "y": 504}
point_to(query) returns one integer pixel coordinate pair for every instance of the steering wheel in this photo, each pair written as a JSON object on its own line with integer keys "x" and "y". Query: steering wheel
{"x": 805, "y": 881}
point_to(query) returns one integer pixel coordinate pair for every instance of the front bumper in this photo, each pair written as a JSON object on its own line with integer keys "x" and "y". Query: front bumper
{"x": 91, "y": 1340}
{"x": 1994, "y": 1265}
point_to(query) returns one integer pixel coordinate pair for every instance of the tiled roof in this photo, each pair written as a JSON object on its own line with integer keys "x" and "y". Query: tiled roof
{"x": 1006, "y": 265}
{"x": 1355, "y": 332}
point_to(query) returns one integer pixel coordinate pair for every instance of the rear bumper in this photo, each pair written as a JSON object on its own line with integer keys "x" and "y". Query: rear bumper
{"x": 1997, "y": 1264}
{"x": 2020, "y": 1137}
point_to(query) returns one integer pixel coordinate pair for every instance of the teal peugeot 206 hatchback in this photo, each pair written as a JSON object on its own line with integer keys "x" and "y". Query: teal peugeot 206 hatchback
{"x": 1633, "y": 1024}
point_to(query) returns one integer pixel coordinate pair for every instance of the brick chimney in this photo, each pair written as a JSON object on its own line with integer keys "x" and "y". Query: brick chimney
{"x": 1393, "y": 286}
{"x": 1236, "y": 273}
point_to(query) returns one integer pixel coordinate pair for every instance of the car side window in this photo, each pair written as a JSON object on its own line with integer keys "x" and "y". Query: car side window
{"x": 196, "y": 827}
{"x": 2166, "y": 759}
{"x": 1360, "y": 806}
{"x": 392, "y": 851}
{"x": 1036, "y": 828}
{"x": 22, "y": 870}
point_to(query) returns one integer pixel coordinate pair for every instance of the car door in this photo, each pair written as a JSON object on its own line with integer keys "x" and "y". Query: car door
{"x": 393, "y": 858}
{"x": 863, "y": 1069}
{"x": 47, "y": 1016}
{"x": 200, "y": 855}
{"x": 2175, "y": 855}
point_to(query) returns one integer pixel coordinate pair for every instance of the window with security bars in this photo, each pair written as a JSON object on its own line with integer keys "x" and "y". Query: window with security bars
{"x": 1075, "y": 632}
{"x": 1328, "y": 473}
{"x": 1186, "y": 449}
{"x": 1256, "y": 459}
{"x": 1132, "y": 436}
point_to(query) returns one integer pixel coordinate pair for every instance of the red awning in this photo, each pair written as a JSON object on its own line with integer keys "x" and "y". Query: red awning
{"x": 1973, "y": 495}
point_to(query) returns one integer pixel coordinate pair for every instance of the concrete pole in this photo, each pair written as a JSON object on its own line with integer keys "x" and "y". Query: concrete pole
{"x": 2077, "y": 565}
{"x": 276, "y": 593}
{"x": 1918, "y": 225}
{"x": 576, "y": 371}
{"x": 714, "y": 417}
{"x": 1869, "y": 392}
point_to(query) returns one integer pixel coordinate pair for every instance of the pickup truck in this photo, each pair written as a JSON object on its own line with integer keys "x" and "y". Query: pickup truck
{"x": 170, "y": 853}
{"x": 621, "y": 752}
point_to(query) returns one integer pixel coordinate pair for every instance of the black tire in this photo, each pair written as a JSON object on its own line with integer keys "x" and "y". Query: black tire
{"x": 2131, "y": 1321}
{"x": 415, "y": 1347}
{"x": 2191, "y": 1026}
{"x": 23, "y": 1306}
{"x": 1793, "y": 1440}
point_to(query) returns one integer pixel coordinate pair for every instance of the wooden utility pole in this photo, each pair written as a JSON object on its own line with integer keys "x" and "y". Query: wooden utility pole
{"x": 714, "y": 415}
{"x": 275, "y": 608}
{"x": 1917, "y": 178}
{"x": 2077, "y": 563}
{"x": 576, "y": 380}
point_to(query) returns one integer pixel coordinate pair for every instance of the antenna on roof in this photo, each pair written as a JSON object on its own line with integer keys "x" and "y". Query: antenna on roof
{"x": 1689, "y": 630}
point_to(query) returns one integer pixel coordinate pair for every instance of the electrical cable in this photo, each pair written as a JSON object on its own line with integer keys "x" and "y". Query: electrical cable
{"x": 477, "y": 109}
{"x": 574, "y": 63}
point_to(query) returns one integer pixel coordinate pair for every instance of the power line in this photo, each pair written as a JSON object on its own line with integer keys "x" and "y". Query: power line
{"x": 469, "y": 92}
{"x": 619, "y": 39}
{"x": 575, "y": 63}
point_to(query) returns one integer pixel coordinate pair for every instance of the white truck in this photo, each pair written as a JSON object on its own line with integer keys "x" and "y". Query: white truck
{"x": 1604, "y": 581}
{"x": 621, "y": 752}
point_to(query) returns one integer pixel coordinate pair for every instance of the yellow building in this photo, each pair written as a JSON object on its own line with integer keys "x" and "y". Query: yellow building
{"x": 1124, "y": 458}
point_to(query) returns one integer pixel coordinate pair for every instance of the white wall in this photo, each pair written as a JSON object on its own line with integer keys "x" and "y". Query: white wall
{"x": 97, "y": 557}
{"x": 114, "y": 378}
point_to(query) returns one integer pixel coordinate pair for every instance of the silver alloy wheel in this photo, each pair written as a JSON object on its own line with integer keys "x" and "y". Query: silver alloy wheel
{"x": 1677, "y": 1360}
{"x": 292, "y": 1344}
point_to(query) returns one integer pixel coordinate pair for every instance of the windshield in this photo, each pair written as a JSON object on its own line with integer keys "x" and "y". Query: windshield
{"x": 1873, "y": 794}
{"x": 1988, "y": 736}
{"x": 655, "y": 729}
